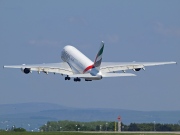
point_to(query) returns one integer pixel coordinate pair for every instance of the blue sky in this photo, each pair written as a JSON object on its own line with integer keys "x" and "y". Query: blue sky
{"x": 35, "y": 32}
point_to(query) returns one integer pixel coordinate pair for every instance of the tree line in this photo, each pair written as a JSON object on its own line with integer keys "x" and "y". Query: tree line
{"x": 106, "y": 126}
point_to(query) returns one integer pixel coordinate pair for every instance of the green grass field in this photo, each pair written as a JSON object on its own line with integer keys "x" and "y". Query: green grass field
{"x": 80, "y": 133}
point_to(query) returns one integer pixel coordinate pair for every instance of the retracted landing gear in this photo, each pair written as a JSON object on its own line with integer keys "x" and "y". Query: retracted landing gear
{"x": 67, "y": 78}
{"x": 77, "y": 79}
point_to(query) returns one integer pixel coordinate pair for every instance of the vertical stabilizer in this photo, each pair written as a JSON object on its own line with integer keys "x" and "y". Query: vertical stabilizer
{"x": 98, "y": 59}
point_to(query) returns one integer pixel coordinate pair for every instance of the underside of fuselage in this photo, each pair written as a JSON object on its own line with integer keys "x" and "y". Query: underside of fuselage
{"x": 78, "y": 79}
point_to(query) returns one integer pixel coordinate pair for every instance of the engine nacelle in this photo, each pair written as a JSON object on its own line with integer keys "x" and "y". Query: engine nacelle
{"x": 137, "y": 69}
{"x": 26, "y": 70}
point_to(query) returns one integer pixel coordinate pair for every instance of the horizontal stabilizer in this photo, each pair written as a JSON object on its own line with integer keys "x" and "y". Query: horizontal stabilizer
{"x": 82, "y": 76}
{"x": 103, "y": 75}
{"x": 117, "y": 74}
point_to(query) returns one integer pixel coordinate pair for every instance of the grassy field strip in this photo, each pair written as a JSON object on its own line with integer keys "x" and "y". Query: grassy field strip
{"x": 88, "y": 133}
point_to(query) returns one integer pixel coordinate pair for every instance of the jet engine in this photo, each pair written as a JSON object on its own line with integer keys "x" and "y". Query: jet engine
{"x": 26, "y": 70}
{"x": 137, "y": 69}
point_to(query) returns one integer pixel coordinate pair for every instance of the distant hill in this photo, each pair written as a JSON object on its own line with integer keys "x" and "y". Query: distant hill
{"x": 27, "y": 107}
{"x": 32, "y": 115}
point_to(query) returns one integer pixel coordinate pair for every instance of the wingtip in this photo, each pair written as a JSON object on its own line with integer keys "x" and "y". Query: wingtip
{"x": 174, "y": 62}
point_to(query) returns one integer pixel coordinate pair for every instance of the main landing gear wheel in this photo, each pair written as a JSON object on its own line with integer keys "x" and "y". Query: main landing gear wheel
{"x": 67, "y": 78}
{"x": 77, "y": 79}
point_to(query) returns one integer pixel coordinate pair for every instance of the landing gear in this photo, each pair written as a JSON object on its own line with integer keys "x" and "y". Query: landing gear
{"x": 67, "y": 78}
{"x": 77, "y": 79}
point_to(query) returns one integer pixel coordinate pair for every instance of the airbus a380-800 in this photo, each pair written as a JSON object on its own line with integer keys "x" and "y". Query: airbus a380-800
{"x": 76, "y": 65}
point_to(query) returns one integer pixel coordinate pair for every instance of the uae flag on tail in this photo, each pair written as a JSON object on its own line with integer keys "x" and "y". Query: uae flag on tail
{"x": 97, "y": 62}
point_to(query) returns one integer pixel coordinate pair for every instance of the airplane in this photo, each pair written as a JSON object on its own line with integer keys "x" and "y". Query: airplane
{"x": 76, "y": 65}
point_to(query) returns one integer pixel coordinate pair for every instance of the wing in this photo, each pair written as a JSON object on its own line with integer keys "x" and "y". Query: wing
{"x": 122, "y": 66}
{"x": 61, "y": 68}
{"x": 91, "y": 77}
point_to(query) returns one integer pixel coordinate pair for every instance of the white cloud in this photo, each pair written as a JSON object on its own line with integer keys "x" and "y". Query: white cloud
{"x": 167, "y": 31}
{"x": 111, "y": 38}
{"x": 44, "y": 43}
{"x": 77, "y": 20}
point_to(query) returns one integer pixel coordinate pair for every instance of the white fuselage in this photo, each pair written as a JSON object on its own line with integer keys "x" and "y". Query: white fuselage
{"x": 79, "y": 63}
